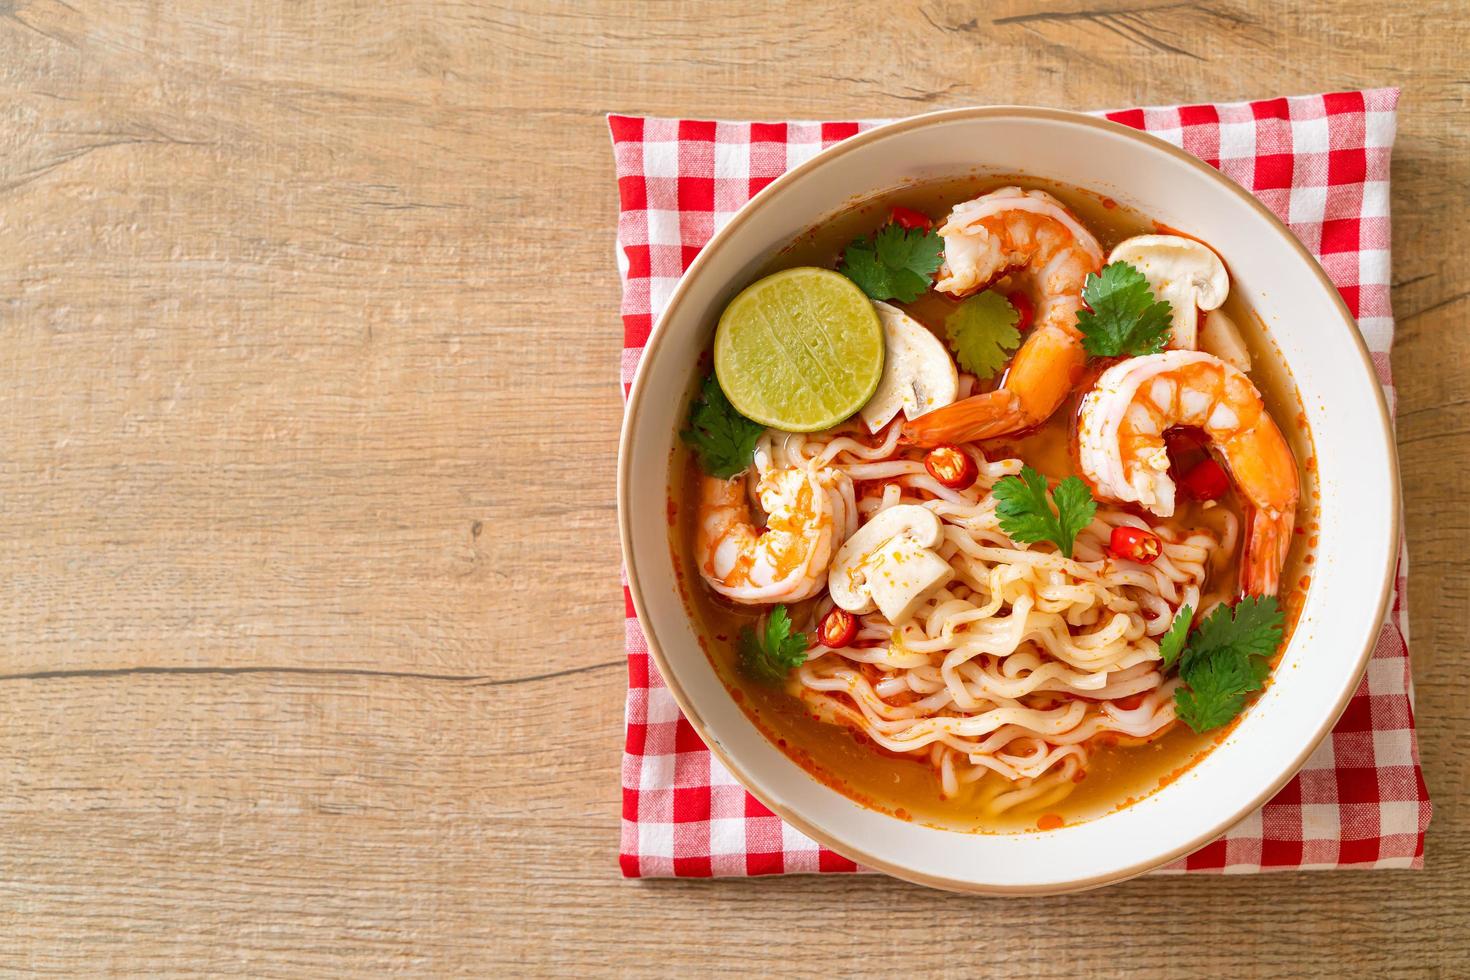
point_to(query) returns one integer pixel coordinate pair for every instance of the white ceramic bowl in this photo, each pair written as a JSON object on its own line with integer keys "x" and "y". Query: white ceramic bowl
{"x": 1344, "y": 405}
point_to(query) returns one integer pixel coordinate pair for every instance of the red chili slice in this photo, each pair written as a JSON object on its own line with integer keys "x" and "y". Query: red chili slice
{"x": 951, "y": 466}
{"x": 838, "y": 628}
{"x": 1135, "y": 544}
{"x": 1206, "y": 481}
{"x": 1025, "y": 309}
{"x": 910, "y": 219}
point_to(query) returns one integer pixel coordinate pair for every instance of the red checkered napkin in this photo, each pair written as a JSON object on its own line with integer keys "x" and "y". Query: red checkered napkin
{"x": 1321, "y": 163}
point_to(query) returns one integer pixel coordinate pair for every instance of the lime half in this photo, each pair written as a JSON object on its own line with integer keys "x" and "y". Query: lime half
{"x": 799, "y": 350}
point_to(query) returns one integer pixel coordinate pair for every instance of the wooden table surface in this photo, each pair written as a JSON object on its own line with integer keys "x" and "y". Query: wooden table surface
{"x": 308, "y": 414}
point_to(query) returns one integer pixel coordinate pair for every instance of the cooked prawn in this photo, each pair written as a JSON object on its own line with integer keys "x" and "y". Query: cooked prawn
{"x": 1120, "y": 446}
{"x": 809, "y": 511}
{"x": 1030, "y": 235}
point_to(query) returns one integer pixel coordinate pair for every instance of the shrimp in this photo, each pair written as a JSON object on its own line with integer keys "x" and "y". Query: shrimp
{"x": 810, "y": 511}
{"x": 1120, "y": 446}
{"x": 1028, "y": 234}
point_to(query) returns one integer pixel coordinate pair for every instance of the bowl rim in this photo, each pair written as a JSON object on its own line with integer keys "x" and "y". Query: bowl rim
{"x": 692, "y": 714}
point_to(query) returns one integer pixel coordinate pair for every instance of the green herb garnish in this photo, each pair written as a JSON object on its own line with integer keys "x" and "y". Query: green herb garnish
{"x": 982, "y": 332}
{"x": 1027, "y": 515}
{"x": 1171, "y": 644}
{"x": 1216, "y": 693}
{"x": 722, "y": 437}
{"x": 774, "y": 650}
{"x": 1124, "y": 317}
{"x": 895, "y": 264}
{"x": 1227, "y": 657}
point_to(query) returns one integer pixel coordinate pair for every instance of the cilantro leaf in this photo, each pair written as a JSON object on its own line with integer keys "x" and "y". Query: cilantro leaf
{"x": 723, "y": 438}
{"x": 1215, "y": 695}
{"x": 1021, "y": 503}
{"x": 1124, "y": 317}
{"x": 1228, "y": 657}
{"x": 982, "y": 332}
{"x": 1171, "y": 644}
{"x": 773, "y": 651}
{"x": 1251, "y": 629}
{"x": 1075, "y": 510}
{"x": 1026, "y": 514}
{"x": 896, "y": 264}
{"x": 916, "y": 249}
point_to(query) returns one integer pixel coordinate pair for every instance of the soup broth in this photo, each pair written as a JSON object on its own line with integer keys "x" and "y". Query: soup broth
{"x": 1119, "y": 769}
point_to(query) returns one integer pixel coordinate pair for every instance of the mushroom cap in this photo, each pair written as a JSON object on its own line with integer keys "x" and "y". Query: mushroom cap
{"x": 918, "y": 373}
{"x": 919, "y": 527}
{"x": 1172, "y": 263}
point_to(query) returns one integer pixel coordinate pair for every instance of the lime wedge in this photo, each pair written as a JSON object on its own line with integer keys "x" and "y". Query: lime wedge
{"x": 799, "y": 350}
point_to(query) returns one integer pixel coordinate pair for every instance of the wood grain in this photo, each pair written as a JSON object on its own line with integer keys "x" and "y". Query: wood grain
{"x": 310, "y": 647}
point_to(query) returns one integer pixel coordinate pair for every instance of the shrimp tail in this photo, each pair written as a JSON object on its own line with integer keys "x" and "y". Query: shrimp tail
{"x": 1268, "y": 539}
{"x": 984, "y": 416}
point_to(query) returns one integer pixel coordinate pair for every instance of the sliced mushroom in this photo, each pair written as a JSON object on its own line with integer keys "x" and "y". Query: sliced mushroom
{"x": 918, "y": 373}
{"x": 1183, "y": 271}
{"x": 890, "y": 564}
{"x": 1219, "y": 335}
